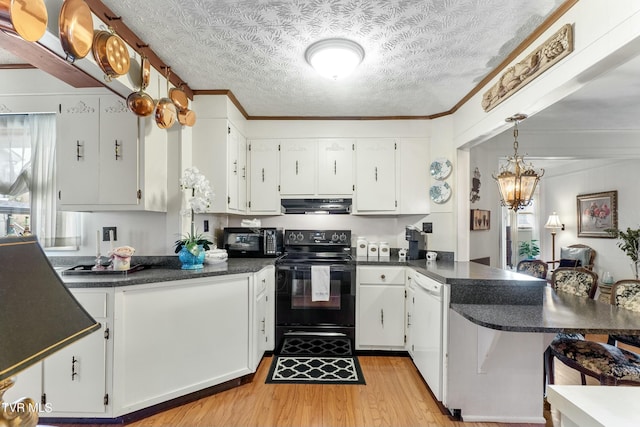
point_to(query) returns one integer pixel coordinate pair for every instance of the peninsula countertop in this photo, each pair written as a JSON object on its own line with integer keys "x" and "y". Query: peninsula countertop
{"x": 560, "y": 312}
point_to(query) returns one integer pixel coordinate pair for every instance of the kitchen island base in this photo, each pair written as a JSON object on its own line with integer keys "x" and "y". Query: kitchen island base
{"x": 493, "y": 375}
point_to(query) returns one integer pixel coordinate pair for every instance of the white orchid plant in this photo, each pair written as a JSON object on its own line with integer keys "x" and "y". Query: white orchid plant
{"x": 201, "y": 197}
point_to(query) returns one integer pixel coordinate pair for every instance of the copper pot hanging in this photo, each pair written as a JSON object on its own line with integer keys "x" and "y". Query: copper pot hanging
{"x": 76, "y": 29}
{"x": 187, "y": 117}
{"x": 179, "y": 98}
{"x": 28, "y": 19}
{"x": 111, "y": 54}
{"x": 166, "y": 112}
{"x": 140, "y": 103}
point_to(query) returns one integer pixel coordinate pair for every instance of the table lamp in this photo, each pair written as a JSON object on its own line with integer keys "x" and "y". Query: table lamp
{"x": 554, "y": 224}
{"x": 38, "y": 316}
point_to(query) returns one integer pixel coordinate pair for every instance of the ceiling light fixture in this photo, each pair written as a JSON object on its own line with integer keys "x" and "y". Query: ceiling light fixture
{"x": 334, "y": 58}
{"x": 517, "y": 180}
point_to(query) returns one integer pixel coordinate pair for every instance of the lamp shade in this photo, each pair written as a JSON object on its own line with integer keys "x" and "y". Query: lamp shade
{"x": 553, "y": 222}
{"x": 38, "y": 314}
{"x": 334, "y": 58}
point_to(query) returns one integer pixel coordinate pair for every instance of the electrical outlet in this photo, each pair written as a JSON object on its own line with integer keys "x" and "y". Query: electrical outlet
{"x": 105, "y": 233}
{"x": 427, "y": 227}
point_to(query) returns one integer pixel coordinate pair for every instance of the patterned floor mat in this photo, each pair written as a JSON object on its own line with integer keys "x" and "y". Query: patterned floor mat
{"x": 315, "y": 360}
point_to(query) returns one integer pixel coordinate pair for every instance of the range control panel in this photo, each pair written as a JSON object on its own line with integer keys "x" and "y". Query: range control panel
{"x": 318, "y": 237}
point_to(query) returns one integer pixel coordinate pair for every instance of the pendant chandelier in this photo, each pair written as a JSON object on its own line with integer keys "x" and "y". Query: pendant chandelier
{"x": 517, "y": 180}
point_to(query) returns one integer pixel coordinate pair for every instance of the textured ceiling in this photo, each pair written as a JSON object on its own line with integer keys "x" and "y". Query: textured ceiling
{"x": 421, "y": 56}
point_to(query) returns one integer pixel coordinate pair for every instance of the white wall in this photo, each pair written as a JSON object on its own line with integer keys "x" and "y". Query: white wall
{"x": 560, "y": 193}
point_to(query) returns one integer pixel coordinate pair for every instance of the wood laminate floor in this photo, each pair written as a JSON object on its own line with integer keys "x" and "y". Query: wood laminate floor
{"x": 395, "y": 395}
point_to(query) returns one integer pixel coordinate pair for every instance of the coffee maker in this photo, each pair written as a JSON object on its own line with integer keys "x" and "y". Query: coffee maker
{"x": 416, "y": 242}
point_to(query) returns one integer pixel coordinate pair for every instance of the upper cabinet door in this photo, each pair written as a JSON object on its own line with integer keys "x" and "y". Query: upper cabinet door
{"x": 119, "y": 153}
{"x": 77, "y": 157}
{"x": 376, "y": 175}
{"x": 297, "y": 167}
{"x": 263, "y": 159}
{"x": 242, "y": 173}
{"x": 335, "y": 167}
{"x": 414, "y": 176}
{"x": 233, "y": 179}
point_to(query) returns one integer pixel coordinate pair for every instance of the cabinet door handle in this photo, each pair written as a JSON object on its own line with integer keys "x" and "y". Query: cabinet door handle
{"x": 408, "y": 319}
{"x": 262, "y": 174}
{"x": 78, "y": 146}
{"x": 244, "y": 172}
{"x": 296, "y": 167}
{"x": 335, "y": 167}
{"x": 117, "y": 147}
{"x": 73, "y": 368}
{"x": 382, "y": 276}
{"x": 264, "y": 327}
{"x": 382, "y": 316}
{"x": 376, "y": 173}
{"x": 235, "y": 167}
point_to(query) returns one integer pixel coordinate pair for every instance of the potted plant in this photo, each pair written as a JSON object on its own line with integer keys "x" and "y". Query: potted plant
{"x": 629, "y": 243}
{"x": 529, "y": 249}
{"x": 191, "y": 247}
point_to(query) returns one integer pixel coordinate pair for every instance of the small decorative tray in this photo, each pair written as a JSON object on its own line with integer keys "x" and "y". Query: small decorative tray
{"x": 85, "y": 269}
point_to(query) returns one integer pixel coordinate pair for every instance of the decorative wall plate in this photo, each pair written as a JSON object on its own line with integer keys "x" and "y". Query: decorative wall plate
{"x": 440, "y": 168}
{"x": 440, "y": 192}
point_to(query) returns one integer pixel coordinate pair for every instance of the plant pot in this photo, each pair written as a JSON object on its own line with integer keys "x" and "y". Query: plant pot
{"x": 190, "y": 261}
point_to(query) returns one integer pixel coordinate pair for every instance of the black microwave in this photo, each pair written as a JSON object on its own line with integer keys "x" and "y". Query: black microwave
{"x": 253, "y": 242}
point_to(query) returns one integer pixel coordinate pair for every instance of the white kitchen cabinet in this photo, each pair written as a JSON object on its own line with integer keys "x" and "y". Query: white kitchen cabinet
{"x": 75, "y": 378}
{"x": 410, "y": 305}
{"x": 375, "y": 186}
{"x": 78, "y": 151}
{"x": 414, "y": 177}
{"x": 298, "y": 167}
{"x": 219, "y": 152}
{"x": 178, "y": 337}
{"x": 264, "y": 197}
{"x": 335, "y": 167}
{"x": 263, "y": 315}
{"x": 381, "y": 308}
{"x": 102, "y": 159}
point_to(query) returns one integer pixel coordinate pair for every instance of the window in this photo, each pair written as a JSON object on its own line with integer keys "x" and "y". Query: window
{"x": 27, "y": 181}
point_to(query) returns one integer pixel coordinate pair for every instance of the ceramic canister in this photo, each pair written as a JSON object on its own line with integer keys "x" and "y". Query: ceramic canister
{"x": 361, "y": 247}
{"x": 372, "y": 251}
{"x": 384, "y": 250}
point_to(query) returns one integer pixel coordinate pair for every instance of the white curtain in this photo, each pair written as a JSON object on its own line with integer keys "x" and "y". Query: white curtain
{"x": 53, "y": 228}
{"x": 15, "y": 155}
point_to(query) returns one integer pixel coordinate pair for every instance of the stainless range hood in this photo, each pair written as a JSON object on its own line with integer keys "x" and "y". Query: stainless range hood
{"x": 316, "y": 206}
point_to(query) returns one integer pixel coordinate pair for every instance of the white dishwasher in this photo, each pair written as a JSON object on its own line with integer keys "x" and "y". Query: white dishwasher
{"x": 427, "y": 323}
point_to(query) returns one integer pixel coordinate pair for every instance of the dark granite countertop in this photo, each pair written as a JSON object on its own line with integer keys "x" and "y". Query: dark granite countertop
{"x": 559, "y": 312}
{"x": 164, "y": 273}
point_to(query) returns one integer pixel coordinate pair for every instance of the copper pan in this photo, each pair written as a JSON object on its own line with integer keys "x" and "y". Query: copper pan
{"x": 187, "y": 117}
{"x": 28, "y": 19}
{"x": 140, "y": 103}
{"x": 179, "y": 98}
{"x": 76, "y": 29}
{"x": 165, "y": 113}
{"x": 111, "y": 54}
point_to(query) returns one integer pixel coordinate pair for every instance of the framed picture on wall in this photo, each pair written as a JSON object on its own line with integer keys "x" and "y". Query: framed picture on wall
{"x": 596, "y": 213}
{"x": 480, "y": 219}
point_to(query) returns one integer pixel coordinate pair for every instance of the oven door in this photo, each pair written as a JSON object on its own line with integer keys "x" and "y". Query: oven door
{"x": 295, "y": 305}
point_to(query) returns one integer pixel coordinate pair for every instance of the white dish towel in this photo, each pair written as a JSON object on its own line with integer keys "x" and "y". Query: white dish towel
{"x": 320, "y": 282}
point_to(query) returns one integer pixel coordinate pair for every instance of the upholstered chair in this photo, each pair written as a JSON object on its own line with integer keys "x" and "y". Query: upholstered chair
{"x": 577, "y": 256}
{"x": 610, "y": 365}
{"x": 626, "y": 294}
{"x": 575, "y": 281}
{"x": 533, "y": 267}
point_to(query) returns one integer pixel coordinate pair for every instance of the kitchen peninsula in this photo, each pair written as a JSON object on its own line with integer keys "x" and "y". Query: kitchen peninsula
{"x": 497, "y": 326}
